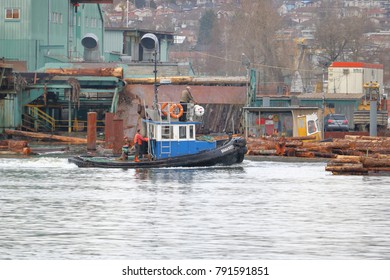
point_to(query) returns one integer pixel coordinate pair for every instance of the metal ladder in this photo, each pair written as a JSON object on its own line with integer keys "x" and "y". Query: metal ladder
{"x": 166, "y": 146}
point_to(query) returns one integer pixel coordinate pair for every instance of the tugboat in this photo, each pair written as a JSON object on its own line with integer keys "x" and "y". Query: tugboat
{"x": 173, "y": 143}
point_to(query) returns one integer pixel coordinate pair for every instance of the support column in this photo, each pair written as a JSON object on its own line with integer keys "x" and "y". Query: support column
{"x": 69, "y": 116}
{"x": 91, "y": 131}
{"x": 373, "y": 118}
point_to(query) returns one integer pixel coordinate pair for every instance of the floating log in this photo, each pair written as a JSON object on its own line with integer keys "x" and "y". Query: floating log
{"x": 294, "y": 143}
{"x": 375, "y": 162}
{"x": 349, "y": 167}
{"x": 380, "y": 169}
{"x": 324, "y": 155}
{"x": 304, "y": 154}
{"x": 347, "y": 159}
{"x": 101, "y": 72}
{"x": 44, "y": 136}
{"x": 347, "y": 152}
{"x": 328, "y": 145}
{"x": 179, "y": 80}
{"x": 302, "y": 138}
{"x": 381, "y": 156}
{"x": 261, "y": 152}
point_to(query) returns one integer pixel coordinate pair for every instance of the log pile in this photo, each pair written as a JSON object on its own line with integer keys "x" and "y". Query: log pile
{"x": 14, "y": 147}
{"x": 359, "y": 165}
{"x": 350, "y": 155}
{"x": 352, "y": 145}
{"x": 293, "y": 147}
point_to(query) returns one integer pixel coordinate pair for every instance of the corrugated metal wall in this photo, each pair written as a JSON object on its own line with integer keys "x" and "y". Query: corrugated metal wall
{"x": 113, "y": 41}
{"x": 7, "y": 113}
{"x": 16, "y": 28}
{"x": 50, "y": 25}
{"x": 22, "y": 50}
{"x": 47, "y": 22}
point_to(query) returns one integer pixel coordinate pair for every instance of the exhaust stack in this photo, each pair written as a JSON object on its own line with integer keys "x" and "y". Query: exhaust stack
{"x": 91, "y": 48}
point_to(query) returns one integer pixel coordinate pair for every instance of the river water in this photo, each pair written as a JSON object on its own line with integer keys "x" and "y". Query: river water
{"x": 51, "y": 209}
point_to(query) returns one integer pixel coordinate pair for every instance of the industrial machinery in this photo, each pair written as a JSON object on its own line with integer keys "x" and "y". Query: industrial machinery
{"x": 308, "y": 125}
{"x": 371, "y": 96}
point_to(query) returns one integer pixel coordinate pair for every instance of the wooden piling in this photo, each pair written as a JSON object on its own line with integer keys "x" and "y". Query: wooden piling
{"x": 91, "y": 131}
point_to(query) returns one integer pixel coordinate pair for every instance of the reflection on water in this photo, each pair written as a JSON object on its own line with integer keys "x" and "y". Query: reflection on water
{"x": 51, "y": 209}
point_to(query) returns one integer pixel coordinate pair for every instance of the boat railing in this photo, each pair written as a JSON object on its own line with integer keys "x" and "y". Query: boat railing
{"x": 170, "y": 112}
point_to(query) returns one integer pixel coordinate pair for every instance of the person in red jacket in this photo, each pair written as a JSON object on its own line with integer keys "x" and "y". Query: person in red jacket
{"x": 138, "y": 139}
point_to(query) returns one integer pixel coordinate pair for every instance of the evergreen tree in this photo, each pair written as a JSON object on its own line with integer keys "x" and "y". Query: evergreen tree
{"x": 140, "y": 3}
{"x": 206, "y": 25}
{"x": 153, "y": 4}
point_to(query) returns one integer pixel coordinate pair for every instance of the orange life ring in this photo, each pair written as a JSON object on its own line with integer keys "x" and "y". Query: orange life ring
{"x": 173, "y": 109}
{"x": 163, "y": 107}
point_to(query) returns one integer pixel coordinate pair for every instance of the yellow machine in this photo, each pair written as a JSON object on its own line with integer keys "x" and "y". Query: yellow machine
{"x": 371, "y": 92}
{"x": 361, "y": 117}
{"x": 308, "y": 126}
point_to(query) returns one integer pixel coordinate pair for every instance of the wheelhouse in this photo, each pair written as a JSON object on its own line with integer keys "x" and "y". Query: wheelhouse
{"x": 171, "y": 139}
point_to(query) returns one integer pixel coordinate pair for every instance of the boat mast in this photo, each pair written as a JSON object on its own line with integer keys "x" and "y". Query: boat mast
{"x": 150, "y": 42}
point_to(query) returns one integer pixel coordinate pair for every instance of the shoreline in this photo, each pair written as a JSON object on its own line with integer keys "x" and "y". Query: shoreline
{"x": 286, "y": 159}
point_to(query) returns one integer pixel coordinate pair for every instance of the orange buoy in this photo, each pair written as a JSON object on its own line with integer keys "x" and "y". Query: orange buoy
{"x": 174, "y": 108}
{"x": 163, "y": 107}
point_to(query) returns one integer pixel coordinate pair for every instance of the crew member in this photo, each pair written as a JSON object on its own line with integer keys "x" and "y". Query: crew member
{"x": 125, "y": 148}
{"x": 138, "y": 139}
{"x": 186, "y": 97}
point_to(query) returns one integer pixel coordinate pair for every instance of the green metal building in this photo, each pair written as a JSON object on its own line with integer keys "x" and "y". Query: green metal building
{"x": 34, "y": 32}
{"x": 53, "y": 73}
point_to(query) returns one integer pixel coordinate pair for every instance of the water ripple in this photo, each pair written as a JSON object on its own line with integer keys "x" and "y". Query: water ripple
{"x": 259, "y": 210}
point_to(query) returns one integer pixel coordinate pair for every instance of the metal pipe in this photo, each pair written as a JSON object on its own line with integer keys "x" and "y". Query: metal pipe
{"x": 127, "y": 13}
{"x": 69, "y": 115}
{"x": 155, "y": 80}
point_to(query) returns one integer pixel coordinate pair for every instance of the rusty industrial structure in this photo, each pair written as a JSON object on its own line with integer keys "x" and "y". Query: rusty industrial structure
{"x": 54, "y": 90}
{"x": 57, "y": 97}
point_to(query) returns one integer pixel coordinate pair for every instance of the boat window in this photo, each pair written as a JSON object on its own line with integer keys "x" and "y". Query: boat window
{"x": 166, "y": 132}
{"x": 311, "y": 127}
{"x": 192, "y": 132}
{"x": 182, "y": 132}
{"x": 151, "y": 131}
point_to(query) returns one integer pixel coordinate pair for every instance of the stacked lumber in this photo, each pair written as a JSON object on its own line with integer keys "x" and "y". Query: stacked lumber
{"x": 351, "y": 145}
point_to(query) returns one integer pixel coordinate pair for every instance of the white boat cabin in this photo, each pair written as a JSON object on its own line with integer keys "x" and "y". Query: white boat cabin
{"x": 171, "y": 139}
